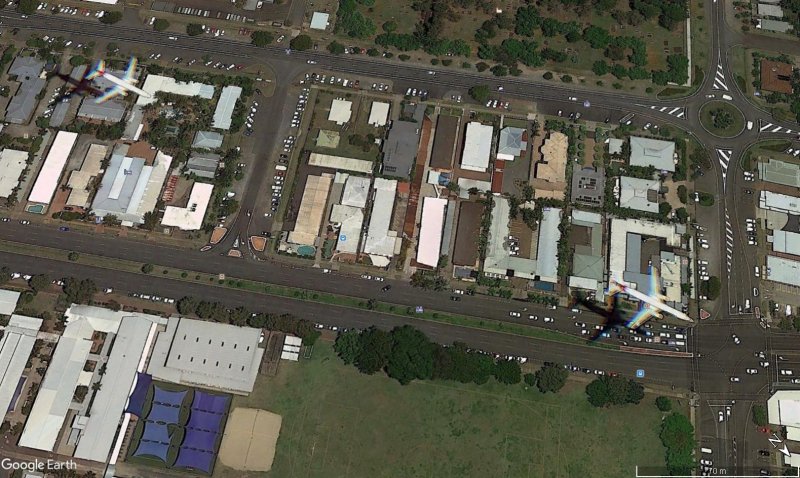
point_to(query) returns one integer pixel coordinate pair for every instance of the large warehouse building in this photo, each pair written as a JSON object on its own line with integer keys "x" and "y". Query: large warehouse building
{"x": 47, "y": 180}
{"x": 430, "y": 232}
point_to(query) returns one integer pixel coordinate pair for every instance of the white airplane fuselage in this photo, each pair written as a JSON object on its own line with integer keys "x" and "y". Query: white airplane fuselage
{"x": 125, "y": 85}
{"x": 652, "y": 302}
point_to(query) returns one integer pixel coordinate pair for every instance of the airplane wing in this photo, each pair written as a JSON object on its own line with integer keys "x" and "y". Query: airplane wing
{"x": 131, "y": 70}
{"x": 644, "y": 314}
{"x": 112, "y": 92}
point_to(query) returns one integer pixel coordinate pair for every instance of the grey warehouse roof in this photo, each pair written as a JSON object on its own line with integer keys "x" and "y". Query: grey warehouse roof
{"x": 400, "y": 149}
{"x": 207, "y": 140}
{"x": 225, "y": 106}
{"x": 27, "y": 70}
{"x": 203, "y": 165}
{"x": 652, "y": 152}
{"x": 511, "y": 142}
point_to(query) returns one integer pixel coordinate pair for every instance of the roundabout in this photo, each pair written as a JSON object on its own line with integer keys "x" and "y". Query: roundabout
{"x": 722, "y": 119}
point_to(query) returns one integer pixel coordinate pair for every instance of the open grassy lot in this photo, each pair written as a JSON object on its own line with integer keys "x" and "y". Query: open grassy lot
{"x": 357, "y": 126}
{"x": 337, "y": 422}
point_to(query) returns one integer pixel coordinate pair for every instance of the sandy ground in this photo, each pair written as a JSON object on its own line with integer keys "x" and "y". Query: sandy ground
{"x": 250, "y": 439}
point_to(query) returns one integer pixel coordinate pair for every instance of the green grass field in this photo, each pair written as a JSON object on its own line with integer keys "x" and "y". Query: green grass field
{"x": 337, "y": 422}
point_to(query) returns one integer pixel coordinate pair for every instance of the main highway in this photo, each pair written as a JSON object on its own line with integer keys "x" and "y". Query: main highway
{"x": 717, "y": 355}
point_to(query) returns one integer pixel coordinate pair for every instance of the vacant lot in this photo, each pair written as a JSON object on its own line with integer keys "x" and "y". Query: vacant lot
{"x": 337, "y": 422}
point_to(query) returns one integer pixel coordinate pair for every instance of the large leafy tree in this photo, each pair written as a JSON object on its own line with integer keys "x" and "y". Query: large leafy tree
{"x": 261, "y": 38}
{"x": 411, "y": 356}
{"x": 301, "y": 43}
{"x": 508, "y": 372}
{"x": 551, "y": 378}
{"x": 376, "y": 345}
{"x": 348, "y": 346}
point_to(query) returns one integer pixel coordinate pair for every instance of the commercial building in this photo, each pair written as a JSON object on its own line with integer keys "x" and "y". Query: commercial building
{"x": 312, "y": 208}
{"x": 216, "y": 356}
{"x": 319, "y": 21}
{"x": 190, "y": 218}
{"x": 94, "y": 429}
{"x": 773, "y": 26}
{"x": 50, "y": 172}
{"x": 768, "y": 10}
{"x": 12, "y": 163}
{"x": 80, "y": 179}
{"x": 547, "y": 253}
{"x": 779, "y": 172}
{"x": 513, "y": 142}
{"x": 133, "y": 125}
{"x": 639, "y": 194}
{"x": 155, "y": 83}
{"x": 465, "y": 251}
{"x": 340, "y": 112}
{"x": 225, "y": 106}
{"x": 588, "y": 186}
{"x": 779, "y": 202}
{"x": 444, "y": 142}
{"x": 27, "y": 70}
{"x": 499, "y": 261}
{"x": 348, "y": 220}
{"x": 356, "y": 191}
{"x": 588, "y": 267}
{"x": 783, "y": 410}
{"x": 785, "y": 271}
{"x": 615, "y": 146}
{"x": 8, "y": 301}
{"x": 382, "y": 243}
{"x": 550, "y": 173}
{"x": 430, "y": 232}
{"x": 15, "y": 348}
{"x": 340, "y": 163}
{"x": 653, "y": 152}
{"x": 378, "y": 113}
{"x": 400, "y": 149}
{"x": 112, "y": 110}
{"x": 477, "y": 147}
{"x": 776, "y": 76}
{"x": 203, "y": 165}
{"x": 130, "y": 187}
{"x": 207, "y": 140}
{"x": 787, "y": 242}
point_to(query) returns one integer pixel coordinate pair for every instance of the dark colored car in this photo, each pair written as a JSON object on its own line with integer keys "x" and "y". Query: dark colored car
{"x": 386, "y": 287}
{"x": 763, "y": 452}
{"x": 63, "y": 229}
{"x": 455, "y": 298}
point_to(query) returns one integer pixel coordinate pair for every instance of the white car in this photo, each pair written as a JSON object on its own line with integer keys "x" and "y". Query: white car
{"x": 721, "y": 416}
{"x": 108, "y": 290}
{"x": 787, "y": 372}
{"x": 515, "y": 314}
{"x": 736, "y": 339}
{"x": 752, "y": 371}
{"x": 458, "y": 291}
{"x": 548, "y": 320}
{"x": 533, "y": 317}
{"x": 734, "y": 380}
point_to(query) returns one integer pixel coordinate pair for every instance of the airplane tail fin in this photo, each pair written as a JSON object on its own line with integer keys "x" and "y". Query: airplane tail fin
{"x": 98, "y": 70}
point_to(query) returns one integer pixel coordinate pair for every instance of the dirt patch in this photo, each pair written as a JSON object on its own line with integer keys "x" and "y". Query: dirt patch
{"x": 259, "y": 243}
{"x": 218, "y": 234}
{"x": 250, "y": 439}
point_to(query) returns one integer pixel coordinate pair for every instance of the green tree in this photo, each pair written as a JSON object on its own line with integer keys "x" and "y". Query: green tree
{"x": 664, "y": 403}
{"x": 677, "y": 435}
{"x": 547, "y": 75}
{"x": 39, "y": 282}
{"x": 722, "y": 118}
{"x": 479, "y": 93}
{"x": 301, "y": 43}
{"x": 551, "y": 378}
{"x": 600, "y": 68}
{"x": 150, "y": 220}
{"x": 194, "y": 29}
{"x": 5, "y": 274}
{"x": 72, "y": 256}
{"x": 336, "y": 48}
{"x": 529, "y": 379}
{"x": 28, "y": 7}
{"x": 147, "y": 268}
{"x": 261, "y": 38}
{"x": 508, "y": 372}
{"x": 760, "y": 415}
{"x": 160, "y": 25}
{"x": 596, "y": 37}
{"x": 79, "y": 292}
{"x": 187, "y": 305}
{"x": 664, "y": 208}
{"x": 389, "y": 26}
{"x": 77, "y": 60}
{"x": 376, "y": 345}
{"x": 111, "y": 220}
{"x": 712, "y": 287}
{"x": 411, "y": 356}
{"x": 348, "y": 346}
{"x": 111, "y": 18}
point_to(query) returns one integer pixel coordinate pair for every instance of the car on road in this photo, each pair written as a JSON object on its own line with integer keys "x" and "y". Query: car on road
{"x": 63, "y": 229}
{"x": 786, "y": 372}
{"x": 580, "y": 324}
{"x": 706, "y": 462}
{"x": 533, "y": 317}
{"x": 736, "y": 339}
{"x": 458, "y": 291}
{"x": 796, "y": 380}
{"x": 24, "y": 222}
{"x": 386, "y": 287}
{"x": 763, "y": 452}
{"x": 734, "y": 380}
{"x": 548, "y": 320}
{"x": 312, "y": 62}
{"x": 514, "y": 314}
{"x": 749, "y": 125}
{"x": 752, "y": 371}
{"x": 108, "y": 290}
{"x": 727, "y": 97}
{"x": 755, "y": 291}
{"x": 455, "y": 298}
{"x": 764, "y": 364}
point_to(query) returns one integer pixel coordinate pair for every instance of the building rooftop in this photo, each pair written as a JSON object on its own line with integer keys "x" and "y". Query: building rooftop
{"x": 207, "y": 140}
{"x": 15, "y": 348}
{"x": 477, "y": 147}
{"x": 552, "y": 168}
{"x": 429, "y": 241}
{"x": 639, "y": 194}
{"x": 340, "y": 163}
{"x": 356, "y": 191}
{"x": 111, "y": 111}
{"x": 155, "y": 83}
{"x": 621, "y": 229}
{"x": 499, "y": 261}
{"x": 512, "y": 143}
{"x": 652, "y": 152}
{"x": 779, "y": 202}
{"x": 786, "y": 242}
{"x": 12, "y": 163}
{"x": 615, "y": 145}
{"x": 203, "y": 165}
{"x": 378, "y": 113}
{"x": 768, "y": 10}
{"x": 312, "y": 208}
{"x": 400, "y": 149}
{"x": 190, "y": 218}
{"x": 785, "y": 271}
{"x": 779, "y": 172}
{"x": 588, "y": 186}
{"x": 774, "y": 25}
{"x": 776, "y": 76}
{"x": 8, "y": 301}
{"x": 465, "y": 251}
{"x": 444, "y": 141}
{"x": 50, "y": 172}
{"x": 350, "y": 219}
{"x": 341, "y": 110}
{"x": 547, "y": 255}
{"x": 208, "y": 354}
{"x": 380, "y": 240}
{"x": 319, "y": 21}
{"x": 80, "y": 179}
{"x": 225, "y": 106}
{"x": 27, "y": 70}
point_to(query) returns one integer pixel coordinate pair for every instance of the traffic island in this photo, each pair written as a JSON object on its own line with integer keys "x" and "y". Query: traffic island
{"x": 722, "y": 119}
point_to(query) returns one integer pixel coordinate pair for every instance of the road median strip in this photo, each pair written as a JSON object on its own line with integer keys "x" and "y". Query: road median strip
{"x": 296, "y": 293}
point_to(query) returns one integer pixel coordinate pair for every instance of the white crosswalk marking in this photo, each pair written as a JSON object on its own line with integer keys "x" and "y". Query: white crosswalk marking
{"x": 729, "y": 230}
{"x": 719, "y": 79}
{"x": 676, "y": 111}
{"x": 765, "y": 127}
{"x": 724, "y": 157}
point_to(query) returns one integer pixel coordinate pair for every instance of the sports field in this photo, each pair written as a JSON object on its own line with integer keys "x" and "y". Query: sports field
{"x": 337, "y": 423}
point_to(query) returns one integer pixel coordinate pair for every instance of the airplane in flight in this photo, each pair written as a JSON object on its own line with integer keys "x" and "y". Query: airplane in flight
{"x": 122, "y": 86}
{"x": 652, "y": 303}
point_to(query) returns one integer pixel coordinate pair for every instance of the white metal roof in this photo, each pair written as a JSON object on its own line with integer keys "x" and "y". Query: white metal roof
{"x": 224, "y": 111}
{"x": 549, "y": 235}
{"x": 319, "y": 21}
{"x": 12, "y": 163}
{"x": 293, "y": 340}
{"x": 47, "y": 180}
{"x": 15, "y": 348}
{"x": 340, "y": 111}
{"x": 190, "y": 218}
{"x": 477, "y": 147}
{"x": 785, "y": 271}
{"x": 635, "y": 193}
{"x": 340, "y": 163}
{"x": 378, "y": 113}
{"x": 97, "y": 437}
{"x": 156, "y": 83}
{"x": 351, "y": 220}
{"x": 779, "y": 202}
{"x": 219, "y": 356}
{"x": 8, "y": 301}
{"x": 787, "y": 242}
{"x": 652, "y": 152}
{"x": 430, "y": 232}
{"x": 312, "y": 208}
{"x": 498, "y": 258}
{"x": 380, "y": 240}
{"x": 620, "y": 228}
{"x": 356, "y": 190}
